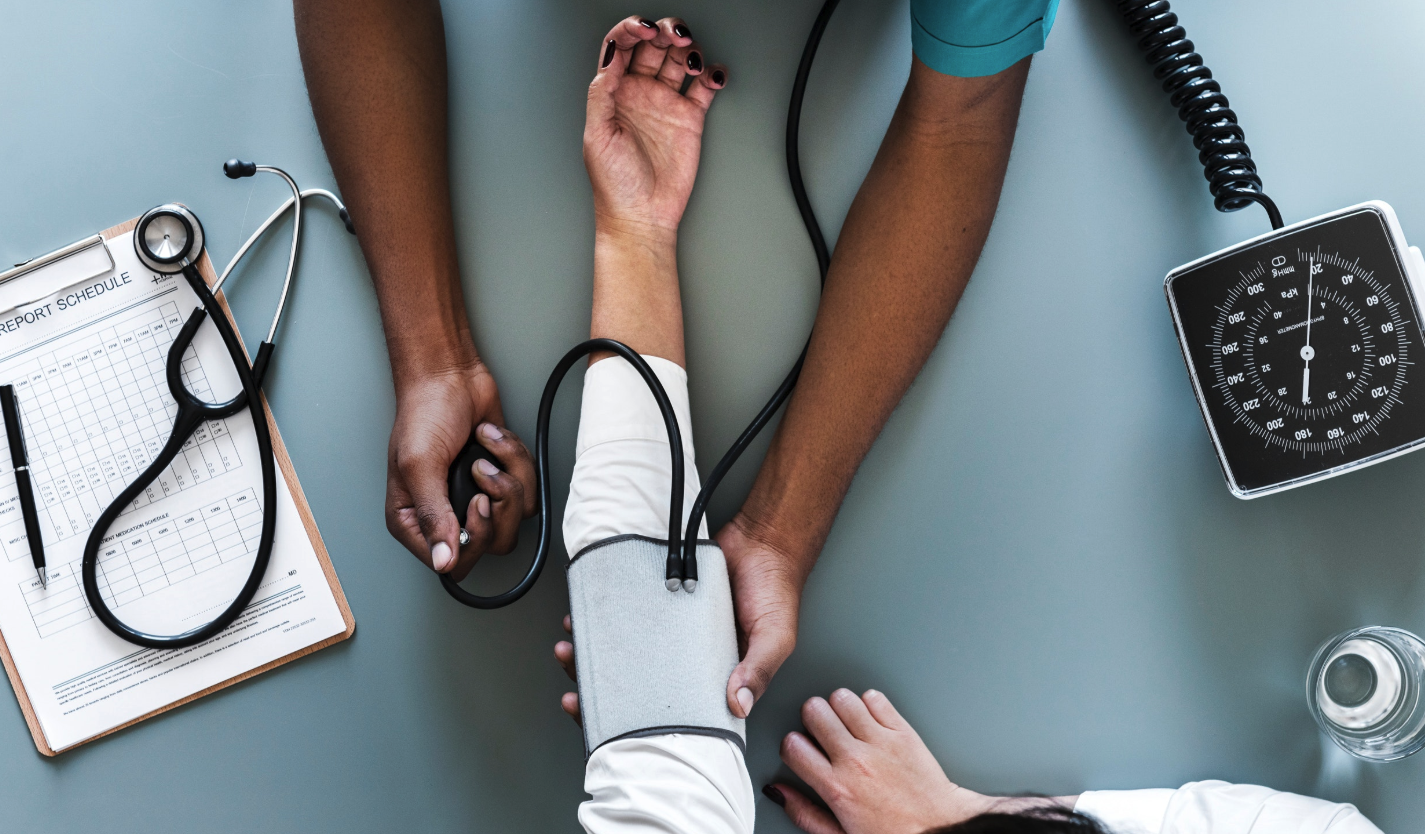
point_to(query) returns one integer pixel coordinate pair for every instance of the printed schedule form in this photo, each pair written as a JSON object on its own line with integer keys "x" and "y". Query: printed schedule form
{"x": 88, "y": 365}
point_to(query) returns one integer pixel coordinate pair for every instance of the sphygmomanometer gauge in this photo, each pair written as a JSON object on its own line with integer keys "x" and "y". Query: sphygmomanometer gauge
{"x": 1303, "y": 345}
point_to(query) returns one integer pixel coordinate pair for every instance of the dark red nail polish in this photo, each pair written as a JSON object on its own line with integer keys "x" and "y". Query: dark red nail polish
{"x": 774, "y": 795}
{"x": 719, "y": 77}
{"x": 695, "y": 62}
{"x": 646, "y": 23}
{"x": 608, "y": 55}
{"x": 682, "y": 31}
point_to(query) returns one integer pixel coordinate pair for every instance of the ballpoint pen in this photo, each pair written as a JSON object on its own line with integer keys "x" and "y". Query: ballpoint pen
{"x": 21, "y": 461}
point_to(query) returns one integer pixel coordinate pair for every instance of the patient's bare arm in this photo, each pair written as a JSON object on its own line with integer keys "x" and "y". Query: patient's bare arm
{"x": 642, "y": 141}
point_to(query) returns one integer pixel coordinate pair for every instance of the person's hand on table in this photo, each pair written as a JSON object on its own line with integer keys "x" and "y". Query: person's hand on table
{"x": 875, "y": 774}
{"x": 435, "y": 415}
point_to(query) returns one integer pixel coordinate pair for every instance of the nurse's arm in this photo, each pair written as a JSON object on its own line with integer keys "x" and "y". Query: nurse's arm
{"x": 376, "y": 76}
{"x": 906, "y": 251}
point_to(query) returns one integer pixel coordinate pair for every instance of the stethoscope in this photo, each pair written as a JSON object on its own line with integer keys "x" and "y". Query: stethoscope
{"x": 169, "y": 240}
{"x": 681, "y": 566}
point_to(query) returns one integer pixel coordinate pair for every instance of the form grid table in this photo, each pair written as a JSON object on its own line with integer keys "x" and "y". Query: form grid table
{"x": 145, "y": 562}
{"x": 96, "y": 413}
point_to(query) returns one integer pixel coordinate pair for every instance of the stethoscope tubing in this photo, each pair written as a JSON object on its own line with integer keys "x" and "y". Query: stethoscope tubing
{"x": 192, "y": 412}
{"x": 672, "y": 574}
{"x": 307, "y": 193}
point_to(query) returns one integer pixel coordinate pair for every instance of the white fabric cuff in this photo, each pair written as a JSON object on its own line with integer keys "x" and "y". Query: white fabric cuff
{"x": 622, "y": 472}
{"x": 617, "y": 404}
{"x": 1127, "y": 812}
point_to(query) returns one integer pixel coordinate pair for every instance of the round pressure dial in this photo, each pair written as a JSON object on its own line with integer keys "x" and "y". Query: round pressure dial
{"x": 1316, "y": 362}
{"x": 1302, "y": 347}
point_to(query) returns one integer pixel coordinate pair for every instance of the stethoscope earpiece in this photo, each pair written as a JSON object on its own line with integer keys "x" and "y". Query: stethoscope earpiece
{"x": 236, "y": 169}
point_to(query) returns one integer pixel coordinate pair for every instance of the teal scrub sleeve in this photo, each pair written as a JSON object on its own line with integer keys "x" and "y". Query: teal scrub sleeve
{"x": 970, "y": 38}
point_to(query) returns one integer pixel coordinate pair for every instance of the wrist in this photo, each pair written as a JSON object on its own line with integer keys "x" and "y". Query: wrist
{"x": 1019, "y": 804}
{"x": 415, "y": 366}
{"x": 795, "y": 556}
{"x": 615, "y": 235}
{"x": 423, "y": 317}
{"x": 962, "y": 804}
{"x": 786, "y": 511}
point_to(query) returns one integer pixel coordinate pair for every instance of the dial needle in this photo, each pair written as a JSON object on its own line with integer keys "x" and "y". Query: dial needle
{"x": 1306, "y": 352}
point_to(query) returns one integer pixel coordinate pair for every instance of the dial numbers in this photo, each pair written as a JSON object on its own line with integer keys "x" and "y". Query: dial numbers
{"x": 1301, "y": 345}
{"x": 1311, "y": 351}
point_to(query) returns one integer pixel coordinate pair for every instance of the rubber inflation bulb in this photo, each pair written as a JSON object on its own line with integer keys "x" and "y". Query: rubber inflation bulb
{"x": 460, "y": 481}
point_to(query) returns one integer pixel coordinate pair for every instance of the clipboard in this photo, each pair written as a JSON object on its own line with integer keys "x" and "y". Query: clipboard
{"x": 95, "y": 250}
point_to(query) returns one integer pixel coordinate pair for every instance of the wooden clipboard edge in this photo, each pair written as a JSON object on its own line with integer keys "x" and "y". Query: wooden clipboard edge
{"x": 284, "y": 463}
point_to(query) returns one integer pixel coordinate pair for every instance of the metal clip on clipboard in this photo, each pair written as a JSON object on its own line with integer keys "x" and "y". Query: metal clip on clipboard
{"x": 82, "y": 260}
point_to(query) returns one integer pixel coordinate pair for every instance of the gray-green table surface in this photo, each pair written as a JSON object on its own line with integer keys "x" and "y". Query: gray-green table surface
{"x": 1039, "y": 561}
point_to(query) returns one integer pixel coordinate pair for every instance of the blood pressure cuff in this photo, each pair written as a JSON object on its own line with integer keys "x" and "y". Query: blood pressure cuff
{"x": 651, "y": 661}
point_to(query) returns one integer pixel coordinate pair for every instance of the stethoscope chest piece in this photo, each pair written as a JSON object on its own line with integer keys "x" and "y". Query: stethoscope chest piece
{"x": 168, "y": 238}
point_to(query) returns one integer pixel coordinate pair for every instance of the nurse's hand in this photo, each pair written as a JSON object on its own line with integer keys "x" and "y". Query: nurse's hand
{"x": 766, "y": 597}
{"x": 643, "y": 134}
{"x": 435, "y": 414}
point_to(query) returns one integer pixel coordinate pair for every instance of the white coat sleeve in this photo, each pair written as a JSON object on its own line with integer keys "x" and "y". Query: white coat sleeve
{"x": 1220, "y": 808}
{"x": 659, "y": 784}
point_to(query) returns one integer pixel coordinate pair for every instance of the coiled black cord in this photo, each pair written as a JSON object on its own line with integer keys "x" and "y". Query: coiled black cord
{"x": 1221, "y": 143}
{"x": 823, "y": 263}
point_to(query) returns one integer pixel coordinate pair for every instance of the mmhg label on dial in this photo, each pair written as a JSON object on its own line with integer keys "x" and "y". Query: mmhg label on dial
{"x": 1303, "y": 348}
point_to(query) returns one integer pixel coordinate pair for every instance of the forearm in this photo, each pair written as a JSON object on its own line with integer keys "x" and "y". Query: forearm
{"x": 376, "y": 76}
{"x": 906, "y": 251}
{"x": 636, "y": 295}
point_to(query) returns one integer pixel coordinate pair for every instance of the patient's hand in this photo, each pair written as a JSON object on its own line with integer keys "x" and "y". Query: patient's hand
{"x": 642, "y": 136}
{"x": 870, "y": 766}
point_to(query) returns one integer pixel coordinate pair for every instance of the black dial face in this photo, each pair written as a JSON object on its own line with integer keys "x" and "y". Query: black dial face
{"x": 1303, "y": 348}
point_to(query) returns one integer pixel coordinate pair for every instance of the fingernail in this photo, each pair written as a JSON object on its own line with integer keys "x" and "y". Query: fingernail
{"x": 486, "y": 467}
{"x": 646, "y": 23}
{"x": 440, "y": 556}
{"x": 775, "y": 795}
{"x": 745, "y": 700}
{"x": 608, "y": 54}
{"x": 482, "y": 505}
{"x": 719, "y": 77}
{"x": 490, "y": 432}
{"x": 682, "y": 31}
{"x": 695, "y": 62}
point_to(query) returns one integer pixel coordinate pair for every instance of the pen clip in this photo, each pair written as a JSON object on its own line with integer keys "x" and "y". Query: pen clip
{"x": 14, "y": 428}
{"x": 20, "y": 430}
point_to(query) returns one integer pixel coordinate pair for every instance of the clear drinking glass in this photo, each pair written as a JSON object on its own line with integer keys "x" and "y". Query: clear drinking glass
{"x": 1365, "y": 690}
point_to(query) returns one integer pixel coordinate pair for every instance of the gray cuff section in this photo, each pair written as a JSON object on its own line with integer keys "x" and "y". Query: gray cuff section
{"x": 651, "y": 661}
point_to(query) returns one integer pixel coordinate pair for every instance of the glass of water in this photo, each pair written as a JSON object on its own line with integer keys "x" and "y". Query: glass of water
{"x": 1365, "y": 690}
